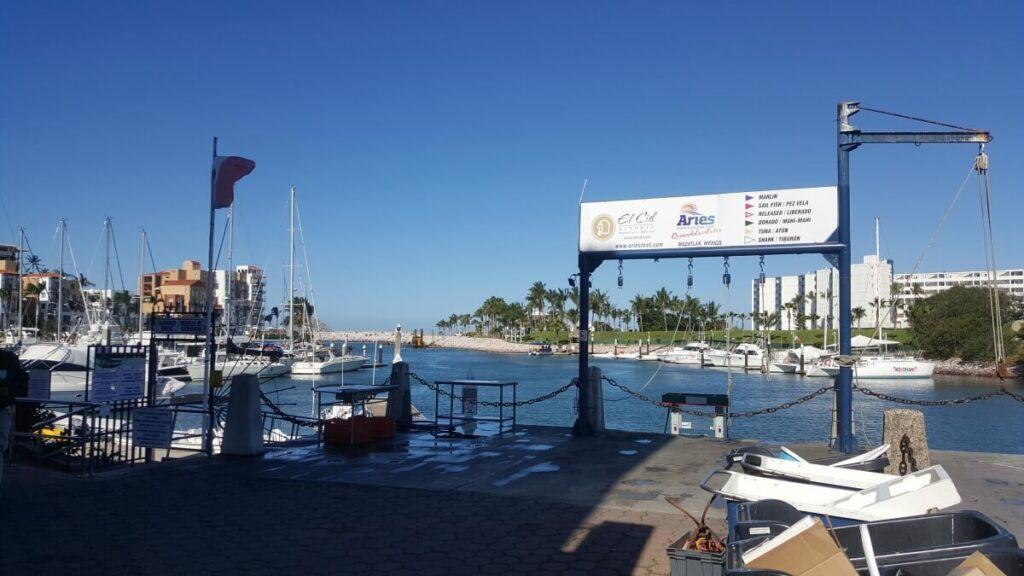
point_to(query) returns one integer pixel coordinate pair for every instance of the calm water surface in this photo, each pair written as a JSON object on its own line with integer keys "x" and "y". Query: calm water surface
{"x": 995, "y": 425}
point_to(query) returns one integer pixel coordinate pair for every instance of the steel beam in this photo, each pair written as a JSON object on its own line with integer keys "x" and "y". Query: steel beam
{"x": 830, "y": 248}
{"x": 845, "y": 440}
{"x": 857, "y": 137}
{"x": 583, "y": 425}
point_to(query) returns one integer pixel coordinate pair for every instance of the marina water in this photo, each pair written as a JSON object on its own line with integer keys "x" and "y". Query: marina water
{"x": 994, "y": 425}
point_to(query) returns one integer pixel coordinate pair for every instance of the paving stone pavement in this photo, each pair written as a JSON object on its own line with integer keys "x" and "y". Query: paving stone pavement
{"x": 221, "y": 519}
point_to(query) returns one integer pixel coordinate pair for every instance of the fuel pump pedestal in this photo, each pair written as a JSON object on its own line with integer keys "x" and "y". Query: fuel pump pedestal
{"x": 676, "y": 400}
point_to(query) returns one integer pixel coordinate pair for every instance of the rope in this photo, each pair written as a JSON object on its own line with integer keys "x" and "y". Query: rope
{"x": 918, "y": 119}
{"x": 985, "y": 199}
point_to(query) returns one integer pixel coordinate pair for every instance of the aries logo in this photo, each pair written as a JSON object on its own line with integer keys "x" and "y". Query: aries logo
{"x": 689, "y": 216}
{"x": 603, "y": 227}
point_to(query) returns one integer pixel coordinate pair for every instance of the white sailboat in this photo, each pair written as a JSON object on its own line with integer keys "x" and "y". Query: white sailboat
{"x": 314, "y": 360}
{"x": 68, "y": 359}
{"x": 887, "y": 366}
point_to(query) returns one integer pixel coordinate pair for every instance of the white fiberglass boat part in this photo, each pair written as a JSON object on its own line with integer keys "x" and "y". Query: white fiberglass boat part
{"x": 815, "y": 473}
{"x": 915, "y": 494}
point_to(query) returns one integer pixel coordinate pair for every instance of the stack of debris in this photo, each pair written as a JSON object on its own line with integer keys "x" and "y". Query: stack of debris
{"x": 788, "y": 516}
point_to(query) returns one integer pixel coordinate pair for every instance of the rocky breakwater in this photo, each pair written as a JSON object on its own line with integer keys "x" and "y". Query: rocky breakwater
{"x": 495, "y": 345}
{"x": 957, "y": 367}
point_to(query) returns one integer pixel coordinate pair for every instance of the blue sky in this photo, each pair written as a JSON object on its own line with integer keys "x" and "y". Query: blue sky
{"x": 439, "y": 147}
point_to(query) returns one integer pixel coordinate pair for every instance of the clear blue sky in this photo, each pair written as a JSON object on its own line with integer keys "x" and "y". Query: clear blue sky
{"x": 439, "y": 147}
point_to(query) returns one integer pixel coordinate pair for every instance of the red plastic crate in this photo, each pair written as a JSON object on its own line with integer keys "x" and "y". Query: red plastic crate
{"x": 382, "y": 427}
{"x": 347, "y": 431}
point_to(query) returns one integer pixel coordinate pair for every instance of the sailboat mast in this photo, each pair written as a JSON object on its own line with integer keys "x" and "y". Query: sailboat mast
{"x": 142, "y": 272}
{"x": 228, "y": 302}
{"x": 291, "y": 269}
{"x": 106, "y": 257}
{"x": 21, "y": 272}
{"x": 878, "y": 271}
{"x": 60, "y": 282}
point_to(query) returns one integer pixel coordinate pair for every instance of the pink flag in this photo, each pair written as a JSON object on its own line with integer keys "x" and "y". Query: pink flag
{"x": 226, "y": 171}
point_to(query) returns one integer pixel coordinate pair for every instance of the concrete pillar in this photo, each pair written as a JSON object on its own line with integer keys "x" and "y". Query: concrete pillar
{"x": 904, "y": 432}
{"x": 400, "y": 401}
{"x": 243, "y": 430}
{"x": 595, "y": 408}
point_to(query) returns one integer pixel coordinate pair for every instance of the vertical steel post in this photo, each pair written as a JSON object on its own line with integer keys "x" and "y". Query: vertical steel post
{"x": 208, "y": 366}
{"x": 583, "y": 425}
{"x": 845, "y": 442}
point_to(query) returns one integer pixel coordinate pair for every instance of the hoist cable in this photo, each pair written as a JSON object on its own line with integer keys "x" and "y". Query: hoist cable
{"x": 918, "y": 119}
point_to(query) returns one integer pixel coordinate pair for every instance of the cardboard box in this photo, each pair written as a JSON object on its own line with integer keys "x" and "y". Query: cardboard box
{"x": 805, "y": 549}
{"x": 977, "y": 565}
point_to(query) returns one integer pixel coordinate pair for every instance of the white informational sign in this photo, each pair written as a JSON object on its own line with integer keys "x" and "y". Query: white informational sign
{"x": 39, "y": 383}
{"x": 116, "y": 378}
{"x": 742, "y": 219}
{"x": 152, "y": 427}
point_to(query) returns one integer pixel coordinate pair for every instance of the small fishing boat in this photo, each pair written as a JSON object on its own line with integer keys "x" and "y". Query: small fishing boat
{"x": 541, "y": 349}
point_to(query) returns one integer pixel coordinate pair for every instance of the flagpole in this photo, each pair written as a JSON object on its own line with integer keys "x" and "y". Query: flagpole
{"x": 208, "y": 367}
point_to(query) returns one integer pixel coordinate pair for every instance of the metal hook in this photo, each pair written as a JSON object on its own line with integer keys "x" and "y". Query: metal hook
{"x": 620, "y": 272}
{"x": 726, "y": 277}
{"x": 689, "y": 273}
{"x": 760, "y": 277}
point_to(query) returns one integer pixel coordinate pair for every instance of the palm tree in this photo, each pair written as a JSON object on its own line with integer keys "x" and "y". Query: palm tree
{"x": 798, "y": 308}
{"x": 637, "y": 306}
{"x": 556, "y": 298}
{"x": 858, "y": 314}
{"x": 34, "y": 263}
{"x": 536, "y": 296}
{"x": 663, "y": 299}
{"x": 712, "y": 313}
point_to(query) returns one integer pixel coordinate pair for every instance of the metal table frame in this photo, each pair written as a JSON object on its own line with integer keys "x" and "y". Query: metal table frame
{"x": 452, "y": 417}
{"x": 352, "y": 395}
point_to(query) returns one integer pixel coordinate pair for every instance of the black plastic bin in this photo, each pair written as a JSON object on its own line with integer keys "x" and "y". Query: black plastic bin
{"x": 763, "y": 518}
{"x": 1009, "y": 560}
{"x": 920, "y": 545}
{"x": 684, "y": 562}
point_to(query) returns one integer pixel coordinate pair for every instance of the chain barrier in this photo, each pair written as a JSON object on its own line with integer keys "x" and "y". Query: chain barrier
{"x": 290, "y": 418}
{"x": 748, "y": 414}
{"x": 950, "y": 402}
{"x": 506, "y": 404}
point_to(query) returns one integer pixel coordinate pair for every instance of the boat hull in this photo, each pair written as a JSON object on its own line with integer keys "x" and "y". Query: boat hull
{"x": 332, "y": 366}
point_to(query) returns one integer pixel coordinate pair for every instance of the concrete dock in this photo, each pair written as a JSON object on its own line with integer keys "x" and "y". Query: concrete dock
{"x": 532, "y": 501}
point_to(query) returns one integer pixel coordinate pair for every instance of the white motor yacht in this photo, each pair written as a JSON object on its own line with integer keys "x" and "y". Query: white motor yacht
{"x": 68, "y": 361}
{"x": 745, "y": 356}
{"x": 693, "y": 353}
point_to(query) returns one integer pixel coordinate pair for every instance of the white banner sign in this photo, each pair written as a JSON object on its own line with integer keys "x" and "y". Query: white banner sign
{"x": 751, "y": 219}
{"x": 152, "y": 427}
{"x": 116, "y": 378}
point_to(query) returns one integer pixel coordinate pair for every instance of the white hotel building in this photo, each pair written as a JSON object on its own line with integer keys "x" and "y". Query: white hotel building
{"x": 820, "y": 291}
